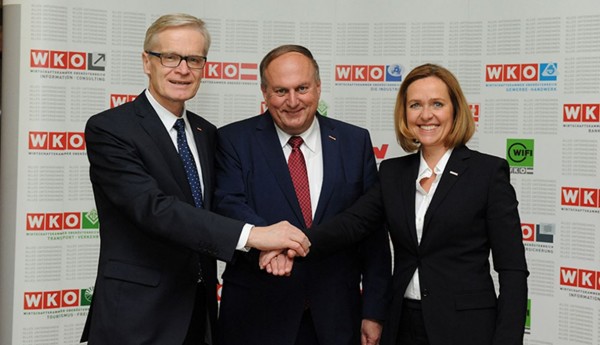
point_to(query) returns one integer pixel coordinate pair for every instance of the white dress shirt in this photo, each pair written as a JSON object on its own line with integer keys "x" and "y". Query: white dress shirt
{"x": 422, "y": 201}
{"x": 168, "y": 119}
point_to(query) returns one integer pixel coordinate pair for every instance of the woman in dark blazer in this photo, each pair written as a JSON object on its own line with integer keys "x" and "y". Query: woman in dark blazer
{"x": 446, "y": 208}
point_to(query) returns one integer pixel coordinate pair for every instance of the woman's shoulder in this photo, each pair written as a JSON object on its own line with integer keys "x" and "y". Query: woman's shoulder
{"x": 399, "y": 163}
{"x": 482, "y": 161}
{"x": 484, "y": 157}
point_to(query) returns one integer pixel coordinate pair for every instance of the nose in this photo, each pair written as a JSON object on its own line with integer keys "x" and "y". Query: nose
{"x": 183, "y": 67}
{"x": 292, "y": 98}
{"x": 427, "y": 112}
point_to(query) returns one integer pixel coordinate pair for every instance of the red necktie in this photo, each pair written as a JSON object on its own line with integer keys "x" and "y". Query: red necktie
{"x": 297, "y": 167}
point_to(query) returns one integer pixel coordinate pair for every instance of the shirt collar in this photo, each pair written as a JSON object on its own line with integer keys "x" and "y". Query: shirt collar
{"x": 166, "y": 117}
{"x": 310, "y": 136}
{"x": 425, "y": 171}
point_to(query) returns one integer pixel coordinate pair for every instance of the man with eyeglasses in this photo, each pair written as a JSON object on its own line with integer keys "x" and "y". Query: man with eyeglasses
{"x": 151, "y": 168}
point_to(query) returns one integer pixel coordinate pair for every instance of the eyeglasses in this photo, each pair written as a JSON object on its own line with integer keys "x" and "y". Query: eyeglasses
{"x": 173, "y": 60}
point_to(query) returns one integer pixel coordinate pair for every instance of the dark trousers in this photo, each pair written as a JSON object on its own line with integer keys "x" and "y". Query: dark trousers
{"x": 197, "y": 329}
{"x": 307, "y": 334}
{"x": 412, "y": 327}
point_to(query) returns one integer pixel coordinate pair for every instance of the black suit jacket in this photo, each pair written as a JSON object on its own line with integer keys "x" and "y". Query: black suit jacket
{"x": 152, "y": 238}
{"x": 254, "y": 185}
{"x": 473, "y": 211}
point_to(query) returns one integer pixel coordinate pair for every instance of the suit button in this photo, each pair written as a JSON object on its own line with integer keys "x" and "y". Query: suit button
{"x": 425, "y": 293}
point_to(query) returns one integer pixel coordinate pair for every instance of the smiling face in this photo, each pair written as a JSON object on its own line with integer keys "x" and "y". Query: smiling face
{"x": 429, "y": 112}
{"x": 171, "y": 87}
{"x": 292, "y": 92}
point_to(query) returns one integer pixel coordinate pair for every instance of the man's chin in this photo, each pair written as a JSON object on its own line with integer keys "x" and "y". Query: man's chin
{"x": 182, "y": 96}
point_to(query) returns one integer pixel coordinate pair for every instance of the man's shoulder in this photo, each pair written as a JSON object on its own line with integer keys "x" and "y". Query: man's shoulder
{"x": 204, "y": 123}
{"x": 115, "y": 116}
{"x": 241, "y": 126}
{"x": 125, "y": 110}
{"x": 342, "y": 125}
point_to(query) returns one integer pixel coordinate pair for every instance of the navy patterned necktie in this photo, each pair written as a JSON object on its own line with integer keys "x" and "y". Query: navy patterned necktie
{"x": 188, "y": 162}
{"x": 297, "y": 166}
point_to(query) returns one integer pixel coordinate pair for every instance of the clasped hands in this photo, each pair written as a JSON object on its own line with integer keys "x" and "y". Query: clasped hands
{"x": 278, "y": 262}
{"x": 279, "y": 244}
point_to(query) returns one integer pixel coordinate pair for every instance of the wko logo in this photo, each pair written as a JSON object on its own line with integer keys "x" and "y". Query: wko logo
{"x": 230, "y": 70}
{"x": 581, "y": 112}
{"x": 538, "y": 232}
{"x": 60, "y": 59}
{"x": 582, "y": 278}
{"x": 519, "y": 154}
{"x": 368, "y": 73}
{"x": 118, "y": 99}
{"x": 475, "y": 111}
{"x": 62, "y": 221}
{"x": 56, "y": 141}
{"x": 527, "y": 72}
{"x": 380, "y": 152}
{"x": 579, "y": 197}
{"x": 71, "y": 298}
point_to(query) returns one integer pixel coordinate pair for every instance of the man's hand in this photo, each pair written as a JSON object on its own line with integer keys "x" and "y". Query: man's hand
{"x": 279, "y": 265}
{"x": 370, "y": 332}
{"x": 281, "y": 235}
{"x": 266, "y": 257}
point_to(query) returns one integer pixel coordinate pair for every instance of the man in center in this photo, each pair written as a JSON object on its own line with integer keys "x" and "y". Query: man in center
{"x": 291, "y": 163}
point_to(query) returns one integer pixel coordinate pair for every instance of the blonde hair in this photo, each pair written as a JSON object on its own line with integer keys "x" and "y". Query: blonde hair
{"x": 175, "y": 20}
{"x": 463, "y": 126}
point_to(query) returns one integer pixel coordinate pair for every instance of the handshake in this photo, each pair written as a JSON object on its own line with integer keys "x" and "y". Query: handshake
{"x": 279, "y": 244}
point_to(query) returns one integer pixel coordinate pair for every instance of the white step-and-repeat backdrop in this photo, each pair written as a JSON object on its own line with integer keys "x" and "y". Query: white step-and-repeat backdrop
{"x": 530, "y": 69}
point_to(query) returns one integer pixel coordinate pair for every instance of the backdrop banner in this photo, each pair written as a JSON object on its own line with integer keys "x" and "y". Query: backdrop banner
{"x": 530, "y": 70}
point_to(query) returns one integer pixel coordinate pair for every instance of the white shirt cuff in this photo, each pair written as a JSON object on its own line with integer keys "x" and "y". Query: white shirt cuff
{"x": 241, "y": 245}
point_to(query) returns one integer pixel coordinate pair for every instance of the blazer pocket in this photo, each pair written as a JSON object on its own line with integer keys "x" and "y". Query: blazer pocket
{"x": 132, "y": 273}
{"x": 475, "y": 300}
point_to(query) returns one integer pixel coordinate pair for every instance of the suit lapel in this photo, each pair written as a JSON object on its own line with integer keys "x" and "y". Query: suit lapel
{"x": 151, "y": 123}
{"x": 454, "y": 170}
{"x": 202, "y": 145}
{"x": 332, "y": 164}
{"x": 268, "y": 141}
{"x": 407, "y": 191}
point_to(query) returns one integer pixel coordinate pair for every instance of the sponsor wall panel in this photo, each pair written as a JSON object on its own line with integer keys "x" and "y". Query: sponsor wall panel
{"x": 531, "y": 77}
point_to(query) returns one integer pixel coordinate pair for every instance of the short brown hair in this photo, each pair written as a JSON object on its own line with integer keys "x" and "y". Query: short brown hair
{"x": 174, "y": 20}
{"x": 463, "y": 126}
{"x": 281, "y": 50}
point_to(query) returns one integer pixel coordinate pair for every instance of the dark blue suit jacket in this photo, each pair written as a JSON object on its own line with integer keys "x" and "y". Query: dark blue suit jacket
{"x": 151, "y": 235}
{"x": 254, "y": 185}
{"x": 472, "y": 213}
